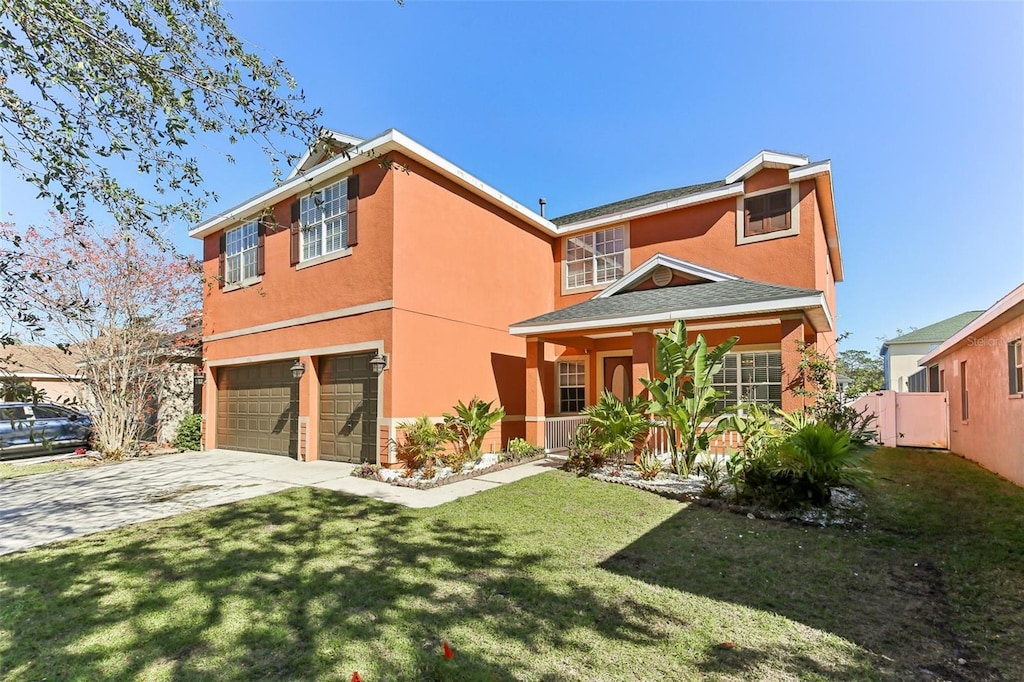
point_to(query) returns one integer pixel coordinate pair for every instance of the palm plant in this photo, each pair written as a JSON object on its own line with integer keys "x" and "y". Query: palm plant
{"x": 822, "y": 458}
{"x": 686, "y": 396}
{"x": 618, "y": 426}
{"x": 470, "y": 424}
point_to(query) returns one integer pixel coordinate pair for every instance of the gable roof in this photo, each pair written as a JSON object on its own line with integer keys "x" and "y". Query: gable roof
{"x": 311, "y": 158}
{"x": 1006, "y": 308}
{"x": 647, "y": 268}
{"x": 692, "y": 301}
{"x": 938, "y": 332}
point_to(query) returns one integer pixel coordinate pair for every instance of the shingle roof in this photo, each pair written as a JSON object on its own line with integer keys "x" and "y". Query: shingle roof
{"x": 938, "y": 332}
{"x": 636, "y": 202}
{"x": 670, "y": 299}
{"x": 26, "y": 359}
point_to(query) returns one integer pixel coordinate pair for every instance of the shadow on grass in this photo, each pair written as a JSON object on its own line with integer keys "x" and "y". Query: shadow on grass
{"x": 304, "y": 584}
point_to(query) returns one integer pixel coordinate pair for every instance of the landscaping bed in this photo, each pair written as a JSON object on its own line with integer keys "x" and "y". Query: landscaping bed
{"x": 845, "y": 508}
{"x": 488, "y": 464}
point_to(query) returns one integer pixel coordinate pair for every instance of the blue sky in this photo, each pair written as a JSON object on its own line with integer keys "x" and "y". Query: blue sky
{"x": 920, "y": 106}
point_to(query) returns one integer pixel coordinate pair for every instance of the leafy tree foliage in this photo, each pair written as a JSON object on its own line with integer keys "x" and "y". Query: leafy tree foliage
{"x": 94, "y": 91}
{"x": 864, "y": 369}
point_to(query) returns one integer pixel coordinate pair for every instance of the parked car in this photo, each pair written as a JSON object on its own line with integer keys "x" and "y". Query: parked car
{"x": 28, "y": 429}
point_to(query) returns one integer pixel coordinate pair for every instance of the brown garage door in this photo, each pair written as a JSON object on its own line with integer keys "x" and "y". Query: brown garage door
{"x": 258, "y": 408}
{"x": 348, "y": 409}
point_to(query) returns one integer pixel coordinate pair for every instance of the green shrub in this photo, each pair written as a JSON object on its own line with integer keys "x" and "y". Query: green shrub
{"x": 468, "y": 427}
{"x": 190, "y": 433}
{"x": 367, "y": 470}
{"x": 584, "y": 452}
{"x": 520, "y": 448}
{"x": 618, "y": 427}
{"x": 420, "y": 444}
{"x": 648, "y": 466}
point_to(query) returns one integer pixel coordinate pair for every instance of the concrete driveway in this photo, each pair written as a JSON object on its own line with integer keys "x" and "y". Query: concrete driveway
{"x": 35, "y": 510}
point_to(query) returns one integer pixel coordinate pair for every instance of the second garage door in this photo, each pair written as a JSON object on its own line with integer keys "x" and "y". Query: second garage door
{"x": 257, "y": 408}
{"x": 348, "y": 409}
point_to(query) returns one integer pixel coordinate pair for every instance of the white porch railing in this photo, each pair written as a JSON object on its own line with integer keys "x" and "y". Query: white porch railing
{"x": 558, "y": 432}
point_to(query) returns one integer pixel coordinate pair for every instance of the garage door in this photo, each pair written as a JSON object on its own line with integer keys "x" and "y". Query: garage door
{"x": 348, "y": 409}
{"x": 258, "y": 408}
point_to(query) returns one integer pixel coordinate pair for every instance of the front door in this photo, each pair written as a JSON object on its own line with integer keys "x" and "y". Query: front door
{"x": 618, "y": 376}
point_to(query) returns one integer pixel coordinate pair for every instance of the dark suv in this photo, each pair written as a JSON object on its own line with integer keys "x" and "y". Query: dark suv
{"x": 41, "y": 429}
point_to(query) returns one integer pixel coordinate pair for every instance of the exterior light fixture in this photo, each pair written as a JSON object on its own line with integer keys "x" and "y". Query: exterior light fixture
{"x": 199, "y": 377}
{"x": 379, "y": 363}
{"x": 298, "y": 369}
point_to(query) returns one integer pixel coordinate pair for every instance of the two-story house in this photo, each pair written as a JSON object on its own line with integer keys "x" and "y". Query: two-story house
{"x": 385, "y": 283}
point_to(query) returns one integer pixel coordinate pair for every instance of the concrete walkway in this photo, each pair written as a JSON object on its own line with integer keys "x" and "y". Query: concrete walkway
{"x": 35, "y": 510}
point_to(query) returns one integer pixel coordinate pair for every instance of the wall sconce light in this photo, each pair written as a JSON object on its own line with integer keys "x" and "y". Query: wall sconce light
{"x": 298, "y": 369}
{"x": 379, "y": 363}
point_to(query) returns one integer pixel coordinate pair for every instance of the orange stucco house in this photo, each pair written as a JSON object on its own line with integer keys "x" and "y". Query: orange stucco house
{"x": 396, "y": 288}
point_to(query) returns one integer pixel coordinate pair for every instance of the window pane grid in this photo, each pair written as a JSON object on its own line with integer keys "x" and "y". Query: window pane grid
{"x": 240, "y": 252}
{"x": 595, "y": 258}
{"x": 324, "y": 219}
{"x": 750, "y": 377}
{"x": 571, "y": 386}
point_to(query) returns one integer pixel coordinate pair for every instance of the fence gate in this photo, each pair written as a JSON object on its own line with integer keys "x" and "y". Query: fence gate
{"x": 915, "y": 420}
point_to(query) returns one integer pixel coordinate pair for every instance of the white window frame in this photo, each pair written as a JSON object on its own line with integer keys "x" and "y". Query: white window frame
{"x": 591, "y": 283}
{"x": 567, "y": 360}
{"x": 1017, "y": 377}
{"x": 318, "y": 214}
{"x": 742, "y": 387}
{"x": 741, "y": 215}
{"x": 244, "y": 262}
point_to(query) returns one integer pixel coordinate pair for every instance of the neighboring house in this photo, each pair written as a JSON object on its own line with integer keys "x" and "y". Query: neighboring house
{"x": 448, "y": 288}
{"x": 46, "y": 368}
{"x": 901, "y": 354}
{"x": 981, "y": 367}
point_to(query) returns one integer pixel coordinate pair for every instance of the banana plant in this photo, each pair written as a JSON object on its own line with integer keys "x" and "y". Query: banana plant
{"x": 470, "y": 425}
{"x": 685, "y": 396}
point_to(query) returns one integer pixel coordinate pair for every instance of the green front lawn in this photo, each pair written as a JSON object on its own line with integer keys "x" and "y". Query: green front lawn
{"x": 550, "y": 578}
{"x": 10, "y": 470}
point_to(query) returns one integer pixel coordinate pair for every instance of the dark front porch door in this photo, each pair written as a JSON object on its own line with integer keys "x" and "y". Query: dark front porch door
{"x": 618, "y": 376}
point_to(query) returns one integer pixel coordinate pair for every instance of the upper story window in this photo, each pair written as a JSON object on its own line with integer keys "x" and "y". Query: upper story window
{"x": 324, "y": 219}
{"x": 595, "y": 258}
{"x": 1016, "y": 353}
{"x": 241, "y": 246}
{"x": 766, "y": 213}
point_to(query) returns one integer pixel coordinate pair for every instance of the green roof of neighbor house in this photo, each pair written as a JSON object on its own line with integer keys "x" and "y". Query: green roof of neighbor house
{"x": 678, "y": 298}
{"x": 636, "y": 202}
{"x": 938, "y": 332}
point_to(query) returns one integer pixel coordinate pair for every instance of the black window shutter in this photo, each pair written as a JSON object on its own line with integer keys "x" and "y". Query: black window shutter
{"x": 220, "y": 260}
{"x": 353, "y": 210}
{"x": 296, "y": 255}
{"x": 261, "y": 247}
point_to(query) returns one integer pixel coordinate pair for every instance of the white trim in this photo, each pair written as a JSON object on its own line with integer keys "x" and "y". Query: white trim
{"x": 810, "y": 303}
{"x": 1002, "y": 306}
{"x": 244, "y": 284}
{"x": 564, "y": 245}
{"x": 738, "y": 324}
{"x": 345, "y": 349}
{"x": 325, "y": 258}
{"x": 329, "y": 134}
{"x": 389, "y": 140}
{"x": 305, "y": 319}
{"x": 601, "y": 355}
{"x": 810, "y": 170}
{"x": 648, "y": 267}
{"x": 651, "y": 209}
{"x": 585, "y": 359}
{"x": 766, "y": 159}
{"x": 794, "y": 216}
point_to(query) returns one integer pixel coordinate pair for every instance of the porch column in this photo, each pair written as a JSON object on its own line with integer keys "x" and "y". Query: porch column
{"x": 536, "y": 408}
{"x": 793, "y": 333}
{"x": 643, "y": 359}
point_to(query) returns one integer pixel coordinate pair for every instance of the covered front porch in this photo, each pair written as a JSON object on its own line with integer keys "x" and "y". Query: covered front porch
{"x": 608, "y": 344}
